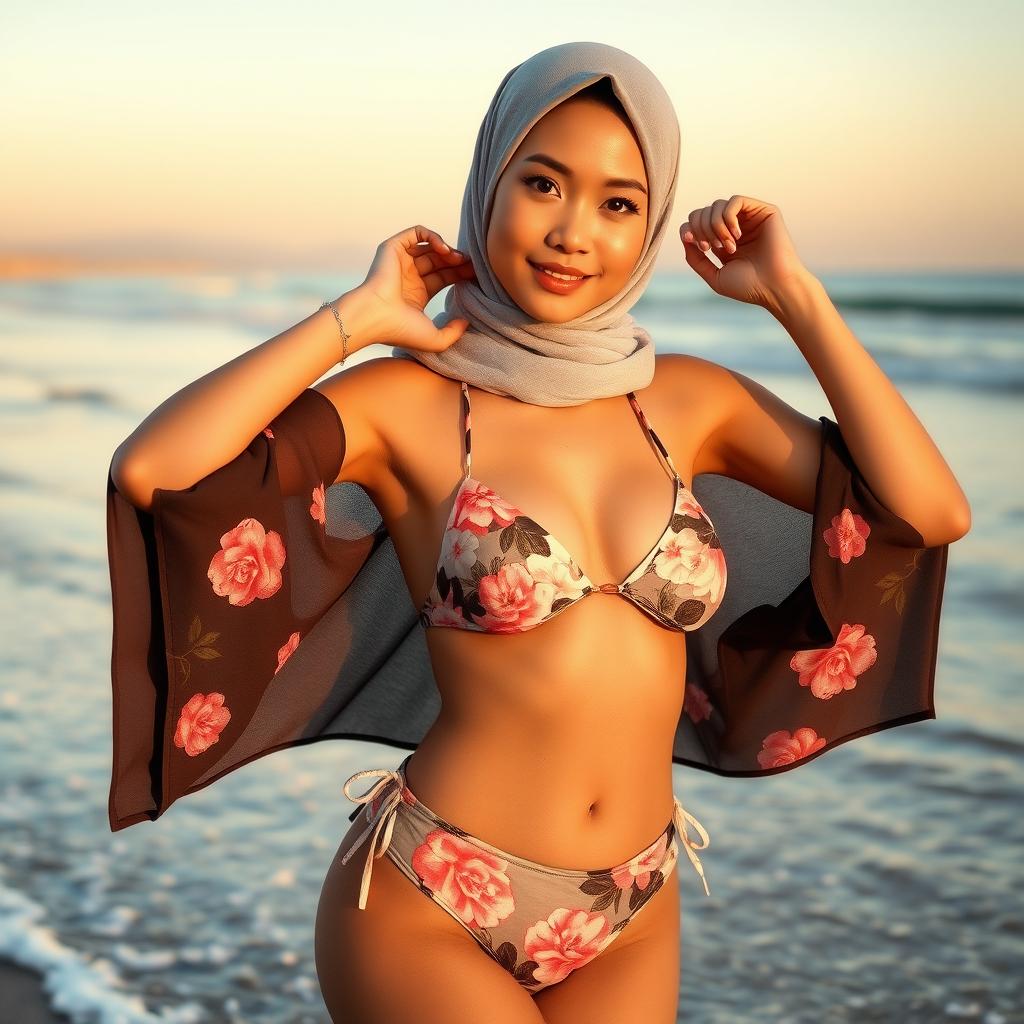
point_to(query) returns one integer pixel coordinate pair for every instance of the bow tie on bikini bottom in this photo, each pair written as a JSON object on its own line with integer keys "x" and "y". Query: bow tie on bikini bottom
{"x": 680, "y": 816}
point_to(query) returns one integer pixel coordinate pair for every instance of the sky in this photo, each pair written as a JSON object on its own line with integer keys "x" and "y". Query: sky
{"x": 300, "y": 135}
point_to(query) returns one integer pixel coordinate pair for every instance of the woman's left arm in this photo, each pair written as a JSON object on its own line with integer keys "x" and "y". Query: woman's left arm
{"x": 893, "y": 451}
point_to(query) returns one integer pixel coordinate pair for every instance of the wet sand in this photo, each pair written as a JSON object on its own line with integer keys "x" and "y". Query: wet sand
{"x": 22, "y": 999}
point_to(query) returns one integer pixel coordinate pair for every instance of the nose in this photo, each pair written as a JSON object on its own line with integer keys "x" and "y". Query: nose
{"x": 573, "y": 232}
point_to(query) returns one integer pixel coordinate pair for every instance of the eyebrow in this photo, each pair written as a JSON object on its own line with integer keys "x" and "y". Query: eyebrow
{"x": 557, "y": 165}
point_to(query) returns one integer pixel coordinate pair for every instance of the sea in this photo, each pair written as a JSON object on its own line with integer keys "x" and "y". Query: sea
{"x": 884, "y": 885}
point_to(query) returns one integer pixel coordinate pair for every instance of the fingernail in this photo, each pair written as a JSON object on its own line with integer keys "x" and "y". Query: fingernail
{"x": 447, "y": 246}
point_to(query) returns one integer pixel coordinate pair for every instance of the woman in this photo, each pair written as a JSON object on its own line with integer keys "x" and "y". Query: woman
{"x": 536, "y": 816}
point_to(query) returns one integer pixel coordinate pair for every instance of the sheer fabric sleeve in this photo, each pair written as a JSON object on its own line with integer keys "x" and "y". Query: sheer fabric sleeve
{"x": 250, "y": 615}
{"x": 829, "y": 630}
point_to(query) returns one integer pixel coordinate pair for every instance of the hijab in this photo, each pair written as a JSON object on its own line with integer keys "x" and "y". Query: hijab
{"x": 602, "y": 353}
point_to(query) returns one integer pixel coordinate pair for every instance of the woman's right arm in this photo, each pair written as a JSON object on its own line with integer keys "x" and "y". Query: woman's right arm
{"x": 210, "y": 421}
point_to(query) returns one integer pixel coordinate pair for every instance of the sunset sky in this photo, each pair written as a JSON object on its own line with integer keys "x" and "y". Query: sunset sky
{"x": 303, "y": 134}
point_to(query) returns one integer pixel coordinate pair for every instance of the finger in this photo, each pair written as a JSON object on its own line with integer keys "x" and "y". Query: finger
{"x": 724, "y": 241}
{"x": 693, "y": 227}
{"x": 427, "y": 255}
{"x": 429, "y": 260}
{"x": 451, "y": 332}
{"x": 418, "y": 235}
{"x": 706, "y": 232}
{"x": 731, "y": 215}
{"x": 697, "y": 231}
{"x": 444, "y": 276}
{"x": 701, "y": 263}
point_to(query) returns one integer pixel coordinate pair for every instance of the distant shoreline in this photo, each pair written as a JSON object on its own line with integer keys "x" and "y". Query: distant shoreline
{"x": 18, "y": 267}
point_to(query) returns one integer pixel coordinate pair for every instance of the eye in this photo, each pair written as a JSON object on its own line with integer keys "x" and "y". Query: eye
{"x": 531, "y": 178}
{"x": 630, "y": 205}
{"x": 634, "y": 207}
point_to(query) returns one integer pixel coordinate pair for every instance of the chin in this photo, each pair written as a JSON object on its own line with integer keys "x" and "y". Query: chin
{"x": 555, "y": 314}
{"x": 556, "y": 311}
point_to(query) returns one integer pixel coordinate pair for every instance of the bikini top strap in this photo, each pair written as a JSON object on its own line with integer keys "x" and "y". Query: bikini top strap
{"x": 649, "y": 430}
{"x": 467, "y": 442}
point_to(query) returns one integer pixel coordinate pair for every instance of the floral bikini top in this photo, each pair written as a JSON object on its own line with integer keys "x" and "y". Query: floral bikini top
{"x": 501, "y": 572}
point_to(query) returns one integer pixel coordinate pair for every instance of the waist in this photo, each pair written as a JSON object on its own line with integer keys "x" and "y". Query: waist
{"x": 562, "y": 805}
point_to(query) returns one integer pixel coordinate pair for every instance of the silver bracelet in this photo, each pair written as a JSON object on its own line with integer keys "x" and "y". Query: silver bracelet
{"x": 344, "y": 336}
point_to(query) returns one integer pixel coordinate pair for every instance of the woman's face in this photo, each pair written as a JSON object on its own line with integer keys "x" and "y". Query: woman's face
{"x": 569, "y": 215}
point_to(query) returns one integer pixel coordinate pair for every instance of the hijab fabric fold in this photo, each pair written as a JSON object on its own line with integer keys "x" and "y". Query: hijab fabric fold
{"x": 603, "y": 353}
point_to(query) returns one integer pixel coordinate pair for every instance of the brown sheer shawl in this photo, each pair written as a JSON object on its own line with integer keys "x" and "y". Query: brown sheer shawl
{"x": 260, "y": 609}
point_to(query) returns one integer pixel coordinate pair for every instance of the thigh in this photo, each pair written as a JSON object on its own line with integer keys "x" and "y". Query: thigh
{"x": 635, "y": 978}
{"x": 403, "y": 958}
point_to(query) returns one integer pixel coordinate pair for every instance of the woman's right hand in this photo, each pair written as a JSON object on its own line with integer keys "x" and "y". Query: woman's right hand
{"x": 408, "y": 270}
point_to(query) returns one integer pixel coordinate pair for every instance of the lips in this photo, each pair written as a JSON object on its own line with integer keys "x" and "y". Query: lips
{"x": 559, "y": 269}
{"x": 556, "y": 285}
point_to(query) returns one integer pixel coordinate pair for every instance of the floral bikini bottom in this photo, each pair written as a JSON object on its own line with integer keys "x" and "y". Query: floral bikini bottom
{"x": 538, "y": 922}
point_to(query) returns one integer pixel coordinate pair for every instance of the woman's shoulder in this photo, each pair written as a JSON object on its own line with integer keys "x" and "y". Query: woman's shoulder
{"x": 381, "y": 403}
{"x": 673, "y": 369}
{"x": 689, "y": 398}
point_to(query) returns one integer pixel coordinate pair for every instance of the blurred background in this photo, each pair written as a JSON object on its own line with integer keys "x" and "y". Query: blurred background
{"x": 182, "y": 184}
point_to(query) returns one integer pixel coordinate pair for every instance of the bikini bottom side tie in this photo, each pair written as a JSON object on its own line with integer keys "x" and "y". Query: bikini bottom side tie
{"x": 381, "y": 818}
{"x": 680, "y": 817}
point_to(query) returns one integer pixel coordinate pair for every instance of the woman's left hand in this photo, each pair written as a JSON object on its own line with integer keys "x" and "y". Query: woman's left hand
{"x": 761, "y": 261}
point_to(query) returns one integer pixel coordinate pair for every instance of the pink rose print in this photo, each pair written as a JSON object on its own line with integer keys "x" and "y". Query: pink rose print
{"x": 512, "y": 600}
{"x": 638, "y": 870}
{"x": 318, "y": 510}
{"x": 683, "y": 558}
{"x": 696, "y": 703}
{"x": 846, "y": 537}
{"x": 201, "y": 721}
{"x": 286, "y": 651}
{"x": 564, "y": 942}
{"x": 831, "y": 670}
{"x": 469, "y": 880}
{"x": 248, "y": 566}
{"x": 778, "y": 748}
{"x": 480, "y": 509}
{"x": 268, "y": 432}
{"x": 443, "y": 613}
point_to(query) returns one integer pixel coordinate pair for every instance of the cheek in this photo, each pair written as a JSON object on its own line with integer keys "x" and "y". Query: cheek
{"x": 624, "y": 249}
{"x": 519, "y": 225}
{"x": 512, "y": 236}
{"x": 618, "y": 258}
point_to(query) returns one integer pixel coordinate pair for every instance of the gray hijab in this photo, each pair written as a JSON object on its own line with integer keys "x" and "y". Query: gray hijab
{"x": 604, "y": 352}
